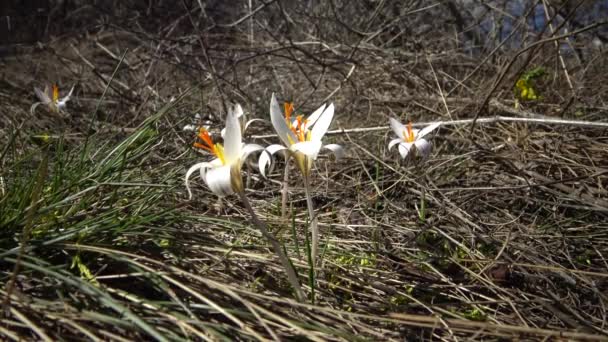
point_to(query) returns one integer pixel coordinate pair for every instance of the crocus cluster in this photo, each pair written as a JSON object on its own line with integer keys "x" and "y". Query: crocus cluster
{"x": 302, "y": 141}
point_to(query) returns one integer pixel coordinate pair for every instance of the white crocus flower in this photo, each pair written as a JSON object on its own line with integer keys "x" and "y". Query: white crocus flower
{"x": 409, "y": 137}
{"x": 223, "y": 174}
{"x": 50, "y": 98}
{"x": 302, "y": 138}
{"x": 244, "y": 124}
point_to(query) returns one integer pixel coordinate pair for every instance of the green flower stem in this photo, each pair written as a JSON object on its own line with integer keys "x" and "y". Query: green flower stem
{"x": 313, "y": 219}
{"x": 289, "y": 269}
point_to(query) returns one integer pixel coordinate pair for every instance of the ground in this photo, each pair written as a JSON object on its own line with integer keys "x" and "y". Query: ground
{"x": 499, "y": 234}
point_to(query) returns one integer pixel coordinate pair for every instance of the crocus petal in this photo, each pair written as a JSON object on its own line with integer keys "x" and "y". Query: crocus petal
{"x": 34, "y": 106}
{"x": 249, "y": 149}
{"x": 404, "y": 149}
{"x": 309, "y": 148}
{"x": 322, "y": 124}
{"x": 263, "y": 162}
{"x": 397, "y": 127}
{"x": 278, "y": 121}
{"x": 312, "y": 118}
{"x": 336, "y": 149}
{"x": 244, "y": 128}
{"x": 266, "y": 157}
{"x": 423, "y": 147}
{"x": 426, "y": 130}
{"x": 193, "y": 168}
{"x": 238, "y": 110}
{"x": 42, "y": 96}
{"x": 250, "y": 122}
{"x": 274, "y": 148}
{"x": 394, "y": 142}
{"x": 232, "y": 138}
{"x": 63, "y": 101}
{"x": 215, "y": 163}
{"x": 67, "y": 97}
{"x": 219, "y": 180}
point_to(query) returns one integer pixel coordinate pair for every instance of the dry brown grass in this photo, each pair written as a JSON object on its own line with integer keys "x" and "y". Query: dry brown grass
{"x": 513, "y": 242}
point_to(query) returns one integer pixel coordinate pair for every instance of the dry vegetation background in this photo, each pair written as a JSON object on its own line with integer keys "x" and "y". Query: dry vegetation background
{"x": 514, "y": 238}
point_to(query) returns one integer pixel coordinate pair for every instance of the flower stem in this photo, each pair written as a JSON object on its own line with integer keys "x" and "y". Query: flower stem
{"x": 289, "y": 269}
{"x": 284, "y": 193}
{"x": 313, "y": 220}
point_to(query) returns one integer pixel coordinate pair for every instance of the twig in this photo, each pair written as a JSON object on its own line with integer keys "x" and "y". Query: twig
{"x": 519, "y": 53}
{"x": 559, "y": 54}
{"x": 467, "y": 325}
{"x": 495, "y": 119}
{"x": 210, "y": 65}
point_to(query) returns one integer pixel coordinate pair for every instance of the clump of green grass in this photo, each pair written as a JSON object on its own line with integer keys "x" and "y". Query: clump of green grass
{"x": 57, "y": 196}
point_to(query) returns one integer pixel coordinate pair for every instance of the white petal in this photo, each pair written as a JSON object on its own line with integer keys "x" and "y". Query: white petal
{"x": 274, "y": 148}
{"x": 67, "y": 97}
{"x": 309, "y": 148}
{"x": 34, "y": 106}
{"x": 248, "y": 149}
{"x": 189, "y": 128}
{"x": 398, "y": 128}
{"x": 62, "y": 101}
{"x": 195, "y": 167}
{"x": 238, "y": 110}
{"x": 312, "y": 118}
{"x": 278, "y": 121}
{"x": 394, "y": 142}
{"x": 266, "y": 157}
{"x": 404, "y": 149}
{"x": 428, "y": 129}
{"x": 263, "y": 162}
{"x": 42, "y": 96}
{"x": 250, "y": 122}
{"x": 214, "y": 163}
{"x": 423, "y": 147}
{"x": 322, "y": 124}
{"x": 337, "y": 150}
{"x": 232, "y": 138}
{"x": 219, "y": 181}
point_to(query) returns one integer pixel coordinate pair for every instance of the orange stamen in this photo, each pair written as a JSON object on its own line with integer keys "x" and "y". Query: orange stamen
{"x": 207, "y": 142}
{"x": 299, "y": 128}
{"x": 55, "y": 93}
{"x": 303, "y": 130}
{"x": 288, "y": 110}
{"x": 409, "y": 135}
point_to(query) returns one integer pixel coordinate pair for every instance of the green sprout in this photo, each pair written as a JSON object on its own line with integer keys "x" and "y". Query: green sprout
{"x": 525, "y": 86}
{"x": 85, "y": 272}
